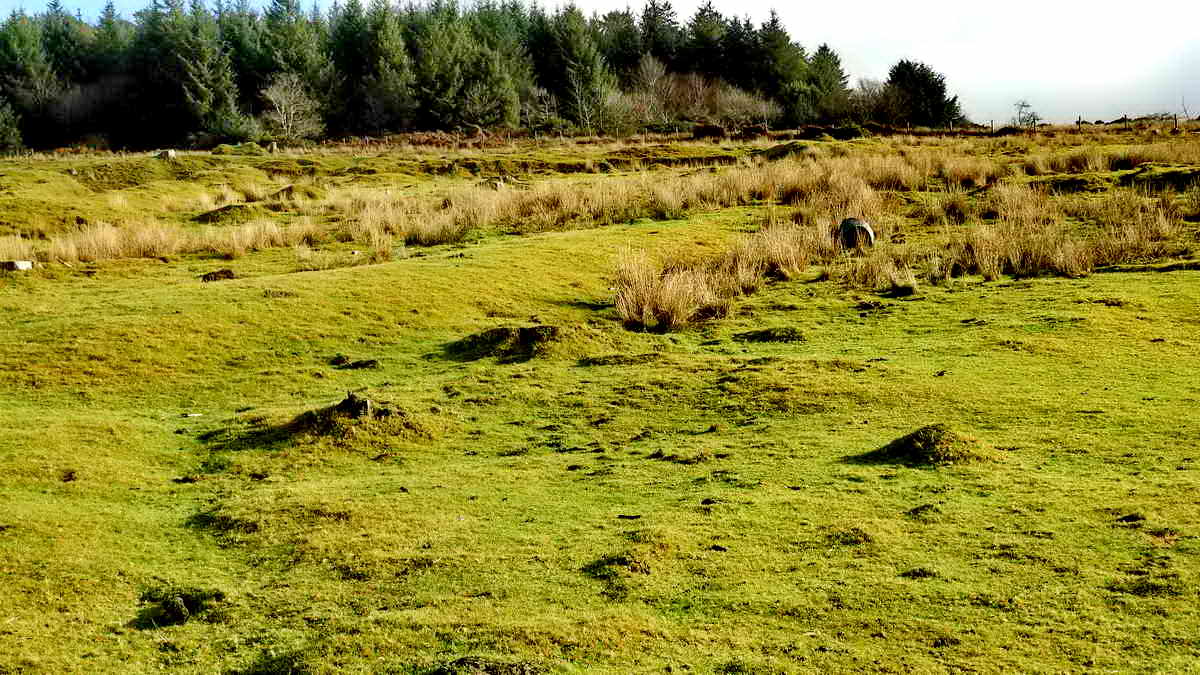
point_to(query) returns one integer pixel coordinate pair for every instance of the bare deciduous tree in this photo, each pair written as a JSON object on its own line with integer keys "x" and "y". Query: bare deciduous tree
{"x": 1026, "y": 117}
{"x": 292, "y": 113}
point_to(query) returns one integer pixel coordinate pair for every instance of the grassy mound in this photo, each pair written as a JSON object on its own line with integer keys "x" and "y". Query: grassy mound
{"x": 171, "y": 605}
{"x": 232, "y": 213}
{"x": 294, "y": 192}
{"x": 506, "y": 343}
{"x": 252, "y": 149}
{"x": 779, "y": 334}
{"x": 935, "y": 444}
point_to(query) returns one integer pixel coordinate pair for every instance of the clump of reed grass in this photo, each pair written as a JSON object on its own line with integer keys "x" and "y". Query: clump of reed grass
{"x": 960, "y": 172}
{"x": 13, "y": 247}
{"x": 657, "y": 295}
{"x": 951, "y": 207}
{"x": 107, "y": 242}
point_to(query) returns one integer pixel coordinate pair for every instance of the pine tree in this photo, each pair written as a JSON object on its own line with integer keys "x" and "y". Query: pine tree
{"x": 504, "y": 27}
{"x": 110, "y": 48}
{"x": 460, "y": 83}
{"x": 920, "y": 95}
{"x": 388, "y": 95}
{"x": 703, "y": 49}
{"x": 829, "y": 83}
{"x": 620, "y": 41}
{"x": 783, "y": 74}
{"x": 27, "y": 77}
{"x": 66, "y": 43}
{"x": 209, "y": 85}
{"x": 661, "y": 35}
{"x": 349, "y": 52}
{"x": 295, "y": 43}
{"x": 161, "y": 113}
{"x": 739, "y": 46}
{"x": 242, "y": 36}
{"x": 587, "y": 78}
{"x": 10, "y": 128}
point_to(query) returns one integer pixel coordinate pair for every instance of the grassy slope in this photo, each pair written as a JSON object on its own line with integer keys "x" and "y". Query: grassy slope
{"x": 495, "y": 531}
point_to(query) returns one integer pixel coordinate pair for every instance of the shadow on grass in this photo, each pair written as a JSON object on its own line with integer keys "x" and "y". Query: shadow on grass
{"x": 588, "y": 305}
{"x": 234, "y": 439}
{"x": 256, "y": 435}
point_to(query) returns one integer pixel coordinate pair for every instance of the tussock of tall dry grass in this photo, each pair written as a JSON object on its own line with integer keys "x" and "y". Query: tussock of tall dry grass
{"x": 1129, "y": 225}
{"x": 669, "y": 293}
{"x": 1117, "y": 159}
{"x": 880, "y": 270}
{"x": 951, "y": 207}
{"x": 158, "y": 240}
{"x": 1030, "y": 235}
{"x": 657, "y": 295}
{"x": 961, "y": 172}
{"x": 828, "y": 188}
{"x": 373, "y": 213}
{"x": 13, "y": 247}
{"x": 108, "y": 242}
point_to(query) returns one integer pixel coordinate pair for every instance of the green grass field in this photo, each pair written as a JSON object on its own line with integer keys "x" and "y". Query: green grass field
{"x": 175, "y": 493}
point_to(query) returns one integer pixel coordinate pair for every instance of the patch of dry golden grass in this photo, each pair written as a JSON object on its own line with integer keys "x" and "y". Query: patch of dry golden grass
{"x": 1093, "y": 158}
{"x": 13, "y": 247}
{"x": 966, "y": 172}
{"x": 668, "y": 295}
{"x": 107, "y": 242}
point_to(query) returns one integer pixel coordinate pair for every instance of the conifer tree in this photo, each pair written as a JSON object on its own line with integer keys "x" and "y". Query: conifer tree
{"x": 829, "y": 83}
{"x": 740, "y": 51}
{"x": 388, "y": 97}
{"x": 349, "y": 52}
{"x": 294, "y": 43}
{"x": 161, "y": 113}
{"x": 27, "y": 79}
{"x": 10, "y": 128}
{"x": 586, "y": 77}
{"x": 66, "y": 43}
{"x": 460, "y": 83}
{"x": 920, "y": 96}
{"x": 26, "y": 74}
{"x": 110, "y": 47}
{"x": 620, "y": 41}
{"x": 209, "y": 85}
{"x": 504, "y": 27}
{"x": 242, "y": 35}
{"x": 783, "y": 74}
{"x": 661, "y": 35}
{"x": 703, "y": 49}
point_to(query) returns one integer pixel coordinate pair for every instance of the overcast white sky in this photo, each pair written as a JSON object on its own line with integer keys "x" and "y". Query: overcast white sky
{"x": 1095, "y": 59}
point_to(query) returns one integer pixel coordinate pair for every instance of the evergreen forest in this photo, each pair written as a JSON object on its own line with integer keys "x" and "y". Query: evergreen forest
{"x": 190, "y": 74}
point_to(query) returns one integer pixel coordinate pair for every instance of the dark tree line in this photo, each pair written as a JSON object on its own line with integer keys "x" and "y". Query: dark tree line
{"x": 181, "y": 71}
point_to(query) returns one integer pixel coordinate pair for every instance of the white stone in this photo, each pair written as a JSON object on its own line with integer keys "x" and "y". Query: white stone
{"x": 16, "y": 265}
